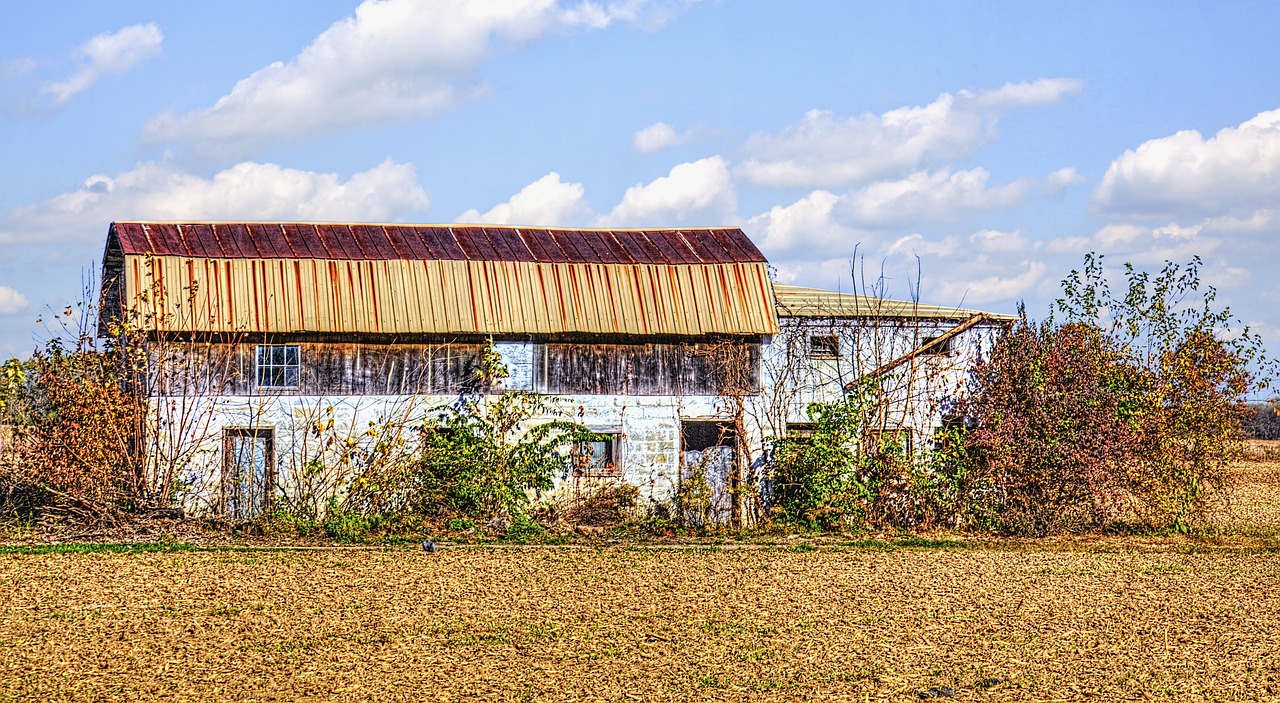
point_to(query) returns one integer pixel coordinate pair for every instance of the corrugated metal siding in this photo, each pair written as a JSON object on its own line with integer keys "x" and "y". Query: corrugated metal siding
{"x": 796, "y": 301}
{"x": 424, "y": 296}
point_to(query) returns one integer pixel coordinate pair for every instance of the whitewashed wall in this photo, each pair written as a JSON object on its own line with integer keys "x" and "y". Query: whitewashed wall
{"x": 649, "y": 427}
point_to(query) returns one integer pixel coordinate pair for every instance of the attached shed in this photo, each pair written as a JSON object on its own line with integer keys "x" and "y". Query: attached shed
{"x": 832, "y": 343}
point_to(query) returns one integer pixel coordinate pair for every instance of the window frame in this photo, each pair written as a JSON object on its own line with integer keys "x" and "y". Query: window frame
{"x": 942, "y": 350}
{"x": 824, "y": 346}
{"x": 230, "y": 503}
{"x": 585, "y": 466}
{"x": 273, "y": 370}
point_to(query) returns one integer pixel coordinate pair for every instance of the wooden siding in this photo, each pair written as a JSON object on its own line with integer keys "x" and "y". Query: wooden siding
{"x": 329, "y": 369}
{"x": 350, "y": 369}
{"x": 628, "y": 369}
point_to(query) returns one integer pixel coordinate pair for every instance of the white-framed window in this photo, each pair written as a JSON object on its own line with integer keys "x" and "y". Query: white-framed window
{"x": 824, "y": 346}
{"x": 277, "y": 365}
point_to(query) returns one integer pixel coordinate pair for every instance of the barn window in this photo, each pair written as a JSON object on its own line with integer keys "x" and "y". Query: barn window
{"x": 824, "y": 346}
{"x": 278, "y": 365}
{"x": 801, "y": 431}
{"x": 600, "y": 457}
{"x": 942, "y": 348}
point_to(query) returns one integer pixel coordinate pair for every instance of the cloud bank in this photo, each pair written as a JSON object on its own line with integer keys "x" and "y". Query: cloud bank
{"x": 245, "y": 191}
{"x": 823, "y": 150}
{"x": 393, "y": 61}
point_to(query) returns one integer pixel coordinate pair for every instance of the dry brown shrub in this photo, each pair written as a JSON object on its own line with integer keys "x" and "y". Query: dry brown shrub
{"x": 605, "y": 505}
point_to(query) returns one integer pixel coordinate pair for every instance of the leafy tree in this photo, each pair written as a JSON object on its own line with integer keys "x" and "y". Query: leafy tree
{"x": 479, "y": 457}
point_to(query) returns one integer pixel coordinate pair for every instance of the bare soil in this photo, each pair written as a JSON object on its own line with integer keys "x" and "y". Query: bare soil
{"x": 1095, "y": 617}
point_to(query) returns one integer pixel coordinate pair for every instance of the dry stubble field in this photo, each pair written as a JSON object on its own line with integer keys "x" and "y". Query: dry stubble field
{"x": 1111, "y": 618}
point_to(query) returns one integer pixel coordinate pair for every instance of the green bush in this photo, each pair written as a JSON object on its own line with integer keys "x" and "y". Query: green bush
{"x": 819, "y": 481}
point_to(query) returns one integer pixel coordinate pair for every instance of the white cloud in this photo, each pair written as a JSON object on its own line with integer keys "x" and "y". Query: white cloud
{"x": 11, "y": 301}
{"x": 1261, "y": 220}
{"x": 925, "y": 196}
{"x": 1068, "y": 245}
{"x": 393, "y": 61}
{"x": 696, "y": 193}
{"x": 246, "y": 191}
{"x": 916, "y": 245}
{"x": 12, "y": 68}
{"x": 997, "y": 242}
{"x": 992, "y": 288}
{"x": 107, "y": 53}
{"x": 1059, "y": 180}
{"x": 823, "y": 150}
{"x": 1183, "y": 175}
{"x": 1146, "y": 245}
{"x": 659, "y": 136}
{"x": 801, "y": 228}
{"x": 546, "y": 201}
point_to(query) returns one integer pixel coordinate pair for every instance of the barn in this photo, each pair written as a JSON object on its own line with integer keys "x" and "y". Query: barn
{"x": 267, "y": 340}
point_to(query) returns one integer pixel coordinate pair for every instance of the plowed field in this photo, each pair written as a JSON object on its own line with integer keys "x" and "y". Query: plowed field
{"x": 1112, "y": 618}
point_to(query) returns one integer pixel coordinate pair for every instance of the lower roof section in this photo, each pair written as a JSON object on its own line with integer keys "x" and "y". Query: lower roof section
{"x": 797, "y": 301}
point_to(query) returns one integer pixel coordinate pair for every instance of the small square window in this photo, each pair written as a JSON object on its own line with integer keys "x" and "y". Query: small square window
{"x": 824, "y": 346}
{"x": 597, "y": 458}
{"x": 942, "y": 348}
{"x": 278, "y": 365}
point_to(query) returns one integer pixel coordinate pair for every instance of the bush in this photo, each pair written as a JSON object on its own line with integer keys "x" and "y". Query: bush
{"x": 478, "y": 459}
{"x": 1262, "y": 420}
{"x": 606, "y": 505}
{"x": 73, "y": 416}
{"x": 1129, "y": 410}
{"x": 816, "y": 479}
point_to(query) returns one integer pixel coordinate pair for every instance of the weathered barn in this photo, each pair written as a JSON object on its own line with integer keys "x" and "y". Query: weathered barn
{"x": 299, "y": 323}
{"x": 268, "y": 336}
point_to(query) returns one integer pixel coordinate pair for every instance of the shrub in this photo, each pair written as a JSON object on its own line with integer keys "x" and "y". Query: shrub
{"x": 1262, "y": 420}
{"x": 1131, "y": 409}
{"x": 477, "y": 459}
{"x": 74, "y": 418}
{"x": 816, "y": 481}
{"x": 606, "y": 505}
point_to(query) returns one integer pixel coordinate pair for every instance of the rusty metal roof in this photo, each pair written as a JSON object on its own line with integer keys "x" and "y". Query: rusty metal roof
{"x": 384, "y": 242}
{"x": 797, "y": 301}
{"x": 405, "y": 280}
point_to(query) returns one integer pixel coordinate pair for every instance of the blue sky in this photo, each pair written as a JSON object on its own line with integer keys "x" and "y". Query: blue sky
{"x": 996, "y": 142}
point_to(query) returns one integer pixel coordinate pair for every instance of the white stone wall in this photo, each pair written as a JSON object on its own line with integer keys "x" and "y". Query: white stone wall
{"x": 649, "y": 427}
{"x": 920, "y": 392}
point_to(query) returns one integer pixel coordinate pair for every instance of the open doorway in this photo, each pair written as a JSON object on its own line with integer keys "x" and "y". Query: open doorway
{"x": 708, "y": 455}
{"x": 248, "y": 472}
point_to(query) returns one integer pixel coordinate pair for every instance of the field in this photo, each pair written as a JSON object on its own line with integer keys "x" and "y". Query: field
{"x": 1103, "y": 617}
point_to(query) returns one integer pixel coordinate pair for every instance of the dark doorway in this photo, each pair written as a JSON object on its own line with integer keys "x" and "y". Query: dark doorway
{"x": 707, "y": 459}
